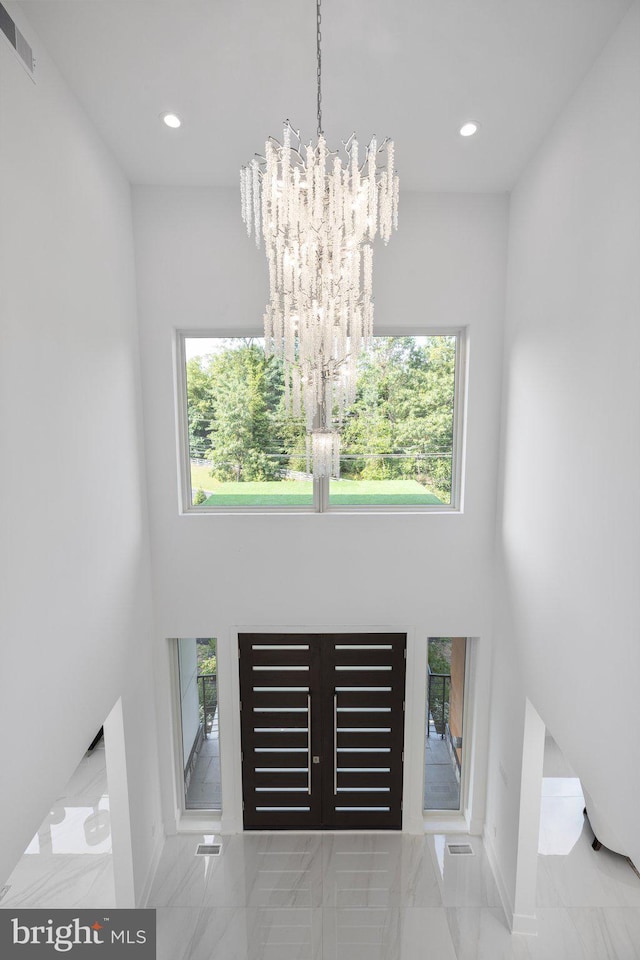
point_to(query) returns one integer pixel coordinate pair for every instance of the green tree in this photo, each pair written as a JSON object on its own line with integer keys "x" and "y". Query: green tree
{"x": 207, "y": 690}
{"x": 401, "y": 425}
{"x": 200, "y": 389}
{"x": 206, "y": 653}
{"x": 439, "y": 690}
{"x": 244, "y": 436}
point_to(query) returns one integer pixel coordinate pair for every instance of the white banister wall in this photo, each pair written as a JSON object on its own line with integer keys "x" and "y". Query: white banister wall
{"x": 75, "y": 577}
{"x": 569, "y": 513}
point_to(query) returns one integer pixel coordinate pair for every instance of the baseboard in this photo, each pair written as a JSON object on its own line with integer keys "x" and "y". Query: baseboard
{"x": 413, "y": 825}
{"x": 151, "y": 872}
{"x": 505, "y": 901}
{"x": 194, "y": 821}
{"x": 446, "y": 824}
{"x": 524, "y": 924}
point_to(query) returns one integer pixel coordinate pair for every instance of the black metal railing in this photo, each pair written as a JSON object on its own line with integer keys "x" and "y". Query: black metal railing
{"x": 439, "y": 691}
{"x": 208, "y": 696}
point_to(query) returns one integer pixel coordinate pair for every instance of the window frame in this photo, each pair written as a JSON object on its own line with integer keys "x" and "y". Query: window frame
{"x": 320, "y": 504}
{"x": 436, "y": 815}
{"x": 187, "y": 818}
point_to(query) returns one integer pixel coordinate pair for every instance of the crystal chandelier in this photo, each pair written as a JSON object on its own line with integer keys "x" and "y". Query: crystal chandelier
{"x": 319, "y": 213}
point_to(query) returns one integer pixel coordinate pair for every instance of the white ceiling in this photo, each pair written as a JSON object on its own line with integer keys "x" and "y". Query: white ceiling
{"x": 410, "y": 69}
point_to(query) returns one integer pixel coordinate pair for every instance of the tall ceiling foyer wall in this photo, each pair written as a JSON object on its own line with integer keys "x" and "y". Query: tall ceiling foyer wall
{"x": 198, "y": 271}
{"x": 568, "y": 600}
{"x": 75, "y": 576}
{"x": 431, "y": 574}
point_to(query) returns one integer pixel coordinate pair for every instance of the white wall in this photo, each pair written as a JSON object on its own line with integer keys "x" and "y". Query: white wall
{"x": 75, "y": 584}
{"x": 197, "y": 270}
{"x": 569, "y": 521}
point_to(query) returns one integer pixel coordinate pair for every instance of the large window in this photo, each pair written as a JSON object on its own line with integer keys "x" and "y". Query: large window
{"x": 399, "y": 442}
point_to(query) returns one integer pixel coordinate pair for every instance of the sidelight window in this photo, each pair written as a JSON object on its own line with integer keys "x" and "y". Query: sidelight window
{"x": 197, "y": 668}
{"x": 444, "y": 741}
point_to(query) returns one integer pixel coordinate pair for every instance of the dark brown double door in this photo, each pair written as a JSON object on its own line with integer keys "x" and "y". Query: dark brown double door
{"x": 322, "y": 720}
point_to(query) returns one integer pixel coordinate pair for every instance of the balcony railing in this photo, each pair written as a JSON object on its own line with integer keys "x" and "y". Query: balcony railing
{"x": 208, "y": 695}
{"x": 439, "y": 691}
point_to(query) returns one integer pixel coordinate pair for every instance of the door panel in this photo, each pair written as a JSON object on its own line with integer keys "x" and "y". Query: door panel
{"x": 363, "y": 678}
{"x": 322, "y": 722}
{"x": 280, "y": 728}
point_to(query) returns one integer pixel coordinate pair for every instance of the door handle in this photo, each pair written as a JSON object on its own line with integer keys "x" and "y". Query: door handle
{"x": 309, "y": 743}
{"x": 335, "y": 744}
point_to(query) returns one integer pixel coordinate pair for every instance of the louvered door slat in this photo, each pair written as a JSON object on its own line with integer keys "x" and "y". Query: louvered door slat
{"x": 281, "y": 740}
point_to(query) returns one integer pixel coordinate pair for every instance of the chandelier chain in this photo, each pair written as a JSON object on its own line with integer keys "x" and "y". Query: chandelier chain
{"x": 319, "y": 55}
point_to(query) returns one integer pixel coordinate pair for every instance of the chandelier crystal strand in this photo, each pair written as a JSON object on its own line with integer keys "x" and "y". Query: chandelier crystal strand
{"x": 325, "y": 453}
{"x": 318, "y": 214}
{"x": 318, "y": 226}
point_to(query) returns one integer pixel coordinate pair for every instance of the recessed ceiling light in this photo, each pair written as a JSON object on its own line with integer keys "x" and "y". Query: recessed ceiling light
{"x": 469, "y": 128}
{"x": 171, "y": 120}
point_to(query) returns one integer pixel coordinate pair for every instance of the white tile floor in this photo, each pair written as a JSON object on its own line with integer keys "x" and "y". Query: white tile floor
{"x": 287, "y": 896}
{"x": 395, "y": 897}
{"x": 68, "y": 862}
{"x": 384, "y": 896}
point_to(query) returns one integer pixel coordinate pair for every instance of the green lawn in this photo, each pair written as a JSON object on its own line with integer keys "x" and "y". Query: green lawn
{"x": 380, "y": 491}
{"x": 279, "y": 493}
{"x": 285, "y": 493}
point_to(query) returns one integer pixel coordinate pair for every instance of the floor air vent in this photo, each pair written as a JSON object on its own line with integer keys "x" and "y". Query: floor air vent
{"x": 208, "y": 849}
{"x": 460, "y": 849}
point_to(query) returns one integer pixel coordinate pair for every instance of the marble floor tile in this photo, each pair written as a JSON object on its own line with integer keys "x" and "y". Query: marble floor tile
{"x": 561, "y": 823}
{"x": 385, "y": 896}
{"x": 464, "y": 881}
{"x": 253, "y": 870}
{"x": 241, "y": 933}
{"x": 284, "y": 871}
{"x": 372, "y": 933}
{"x": 182, "y": 877}
{"x": 174, "y": 932}
{"x": 387, "y": 933}
{"x": 608, "y": 933}
{"x": 482, "y": 934}
{"x": 68, "y": 862}
{"x": 61, "y": 881}
{"x": 586, "y": 878}
{"x": 419, "y": 885}
{"x": 362, "y": 870}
